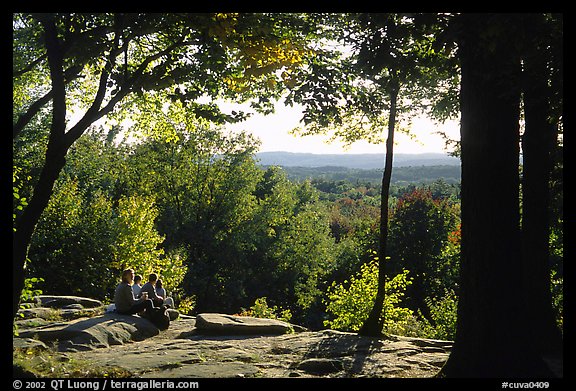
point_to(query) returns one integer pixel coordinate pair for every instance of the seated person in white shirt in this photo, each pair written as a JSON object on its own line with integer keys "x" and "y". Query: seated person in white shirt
{"x": 137, "y": 287}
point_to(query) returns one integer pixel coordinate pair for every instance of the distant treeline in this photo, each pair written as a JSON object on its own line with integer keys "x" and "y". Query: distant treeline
{"x": 400, "y": 175}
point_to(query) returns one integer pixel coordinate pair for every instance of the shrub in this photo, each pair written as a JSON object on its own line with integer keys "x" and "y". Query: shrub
{"x": 443, "y": 313}
{"x": 350, "y": 302}
{"x": 260, "y": 309}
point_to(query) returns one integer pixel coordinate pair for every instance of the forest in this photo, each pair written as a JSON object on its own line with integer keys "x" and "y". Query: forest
{"x": 401, "y": 176}
{"x": 121, "y": 158}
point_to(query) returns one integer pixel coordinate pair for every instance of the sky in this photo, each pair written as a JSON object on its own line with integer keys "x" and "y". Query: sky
{"x": 273, "y": 131}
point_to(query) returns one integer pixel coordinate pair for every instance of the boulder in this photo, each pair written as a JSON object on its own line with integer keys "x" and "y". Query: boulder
{"x": 52, "y": 301}
{"x": 37, "y": 312}
{"x": 222, "y": 324}
{"x": 87, "y": 334}
{"x": 173, "y": 314}
{"x": 28, "y": 343}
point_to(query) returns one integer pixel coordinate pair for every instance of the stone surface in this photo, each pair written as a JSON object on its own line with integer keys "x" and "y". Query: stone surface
{"x": 183, "y": 352}
{"x": 320, "y": 366}
{"x": 227, "y": 346}
{"x": 222, "y": 324}
{"x": 52, "y": 301}
{"x": 28, "y": 343}
{"x": 90, "y": 333}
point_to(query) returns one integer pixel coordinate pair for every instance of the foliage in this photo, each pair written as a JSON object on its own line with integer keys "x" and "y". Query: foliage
{"x": 557, "y": 287}
{"x": 82, "y": 243}
{"x": 346, "y": 93}
{"x": 186, "y": 305}
{"x": 350, "y": 303}
{"x": 137, "y": 243}
{"x": 19, "y": 202}
{"x": 101, "y": 64}
{"x": 244, "y": 232}
{"x": 261, "y": 309}
{"x": 231, "y": 55}
{"x": 443, "y": 314}
{"x": 29, "y": 292}
{"x": 424, "y": 239}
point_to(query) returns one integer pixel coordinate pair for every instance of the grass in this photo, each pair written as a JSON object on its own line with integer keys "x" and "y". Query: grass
{"x": 50, "y": 363}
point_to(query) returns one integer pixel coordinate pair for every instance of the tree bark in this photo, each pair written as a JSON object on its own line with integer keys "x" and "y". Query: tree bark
{"x": 491, "y": 337}
{"x": 55, "y": 160}
{"x": 375, "y": 322}
{"x": 537, "y": 145}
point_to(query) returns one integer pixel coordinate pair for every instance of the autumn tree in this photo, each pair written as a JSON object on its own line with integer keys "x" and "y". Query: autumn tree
{"x": 419, "y": 230}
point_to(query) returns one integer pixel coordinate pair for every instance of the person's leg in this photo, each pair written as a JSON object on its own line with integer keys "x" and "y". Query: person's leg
{"x": 144, "y": 305}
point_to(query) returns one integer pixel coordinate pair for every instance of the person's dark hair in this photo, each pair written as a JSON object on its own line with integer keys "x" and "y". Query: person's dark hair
{"x": 159, "y": 284}
{"x": 152, "y": 277}
{"x": 126, "y": 273}
{"x": 137, "y": 278}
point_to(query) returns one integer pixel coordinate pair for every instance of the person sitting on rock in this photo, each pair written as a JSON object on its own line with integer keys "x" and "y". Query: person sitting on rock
{"x": 124, "y": 298}
{"x": 137, "y": 286}
{"x": 160, "y": 291}
{"x": 150, "y": 288}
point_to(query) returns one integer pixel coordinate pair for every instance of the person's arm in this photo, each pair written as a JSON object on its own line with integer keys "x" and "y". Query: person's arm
{"x": 151, "y": 291}
{"x": 130, "y": 295}
{"x": 124, "y": 298}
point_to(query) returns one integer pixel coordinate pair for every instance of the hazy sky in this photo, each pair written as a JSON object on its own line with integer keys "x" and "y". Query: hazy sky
{"x": 273, "y": 131}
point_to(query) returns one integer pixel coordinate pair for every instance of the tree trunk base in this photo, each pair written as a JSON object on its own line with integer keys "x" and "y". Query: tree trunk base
{"x": 501, "y": 364}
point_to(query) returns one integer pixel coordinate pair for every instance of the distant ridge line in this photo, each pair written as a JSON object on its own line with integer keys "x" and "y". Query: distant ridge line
{"x": 359, "y": 161}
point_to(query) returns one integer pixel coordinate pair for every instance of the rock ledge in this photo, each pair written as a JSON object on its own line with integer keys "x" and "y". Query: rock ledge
{"x": 221, "y": 324}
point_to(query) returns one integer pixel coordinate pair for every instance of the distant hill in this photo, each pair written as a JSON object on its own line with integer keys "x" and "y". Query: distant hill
{"x": 358, "y": 161}
{"x": 400, "y": 175}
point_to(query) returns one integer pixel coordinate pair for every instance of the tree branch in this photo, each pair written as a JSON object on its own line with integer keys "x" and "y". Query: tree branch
{"x": 23, "y": 119}
{"x": 55, "y": 62}
{"x": 31, "y": 66}
{"x": 94, "y": 113}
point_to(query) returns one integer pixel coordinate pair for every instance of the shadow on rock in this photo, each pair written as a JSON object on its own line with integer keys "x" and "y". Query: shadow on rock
{"x": 339, "y": 351}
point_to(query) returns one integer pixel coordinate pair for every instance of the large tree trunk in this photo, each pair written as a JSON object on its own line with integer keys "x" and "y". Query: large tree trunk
{"x": 491, "y": 337}
{"x": 373, "y": 325}
{"x": 537, "y": 144}
{"x": 55, "y": 160}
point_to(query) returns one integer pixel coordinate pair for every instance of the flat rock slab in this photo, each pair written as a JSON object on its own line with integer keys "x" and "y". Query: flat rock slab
{"x": 98, "y": 332}
{"x": 209, "y": 370}
{"x": 181, "y": 352}
{"x": 222, "y": 324}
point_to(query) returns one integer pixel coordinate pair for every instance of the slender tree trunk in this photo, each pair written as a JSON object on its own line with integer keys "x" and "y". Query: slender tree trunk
{"x": 375, "y": 321}
{"x": 491, "y": 337}
{"x": 537, "y": 144}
